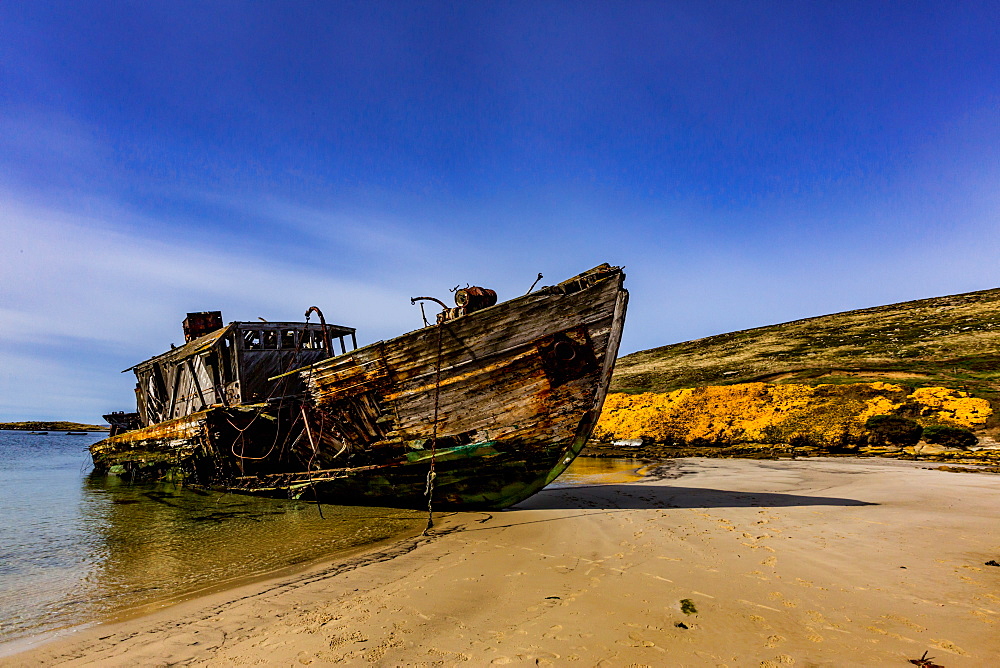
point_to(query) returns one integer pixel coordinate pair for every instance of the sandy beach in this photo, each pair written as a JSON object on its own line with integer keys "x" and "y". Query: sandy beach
{"x": 703, "y": 562}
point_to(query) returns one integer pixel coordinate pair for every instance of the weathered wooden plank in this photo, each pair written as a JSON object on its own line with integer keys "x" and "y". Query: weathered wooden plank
{"x": 515, "y": 388}
{"x": 497, "y": 380}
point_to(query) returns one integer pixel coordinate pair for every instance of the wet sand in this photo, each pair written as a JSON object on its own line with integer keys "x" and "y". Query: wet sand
{"x": 823, "y": 562}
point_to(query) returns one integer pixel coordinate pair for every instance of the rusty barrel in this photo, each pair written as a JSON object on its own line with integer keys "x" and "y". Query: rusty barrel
{"x": 475, "y": 298}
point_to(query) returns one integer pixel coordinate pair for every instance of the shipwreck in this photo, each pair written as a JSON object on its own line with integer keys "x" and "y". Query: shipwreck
{"x": 480, "y": 409}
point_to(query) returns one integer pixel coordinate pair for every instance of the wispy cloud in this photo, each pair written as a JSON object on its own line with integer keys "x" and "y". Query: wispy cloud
{"x": 95, "y": 290}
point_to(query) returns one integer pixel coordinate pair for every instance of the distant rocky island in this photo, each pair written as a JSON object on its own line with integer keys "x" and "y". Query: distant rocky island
{"x": 918, "y": 378}
{"x": 53, "y": 426}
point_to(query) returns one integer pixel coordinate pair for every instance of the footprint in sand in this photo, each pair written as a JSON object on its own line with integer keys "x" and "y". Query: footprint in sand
{"x": 949, "y": 646}
{"x": 773, "y": 641}
{"x": 770, "y": 561}
{"x": 883, "y": 632}
{"x": 636, "y": 640}
{"x": 778, "y": 596}
{"x": 338, "y": 640}
{"x": 985, "y": 617}
{"x": 905, "y": 622}
{"x": 376, "y": 653}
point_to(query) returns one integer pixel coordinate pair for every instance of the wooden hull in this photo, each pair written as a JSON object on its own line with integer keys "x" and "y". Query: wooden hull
{"x": 500, "y": 401}
{"x": 200, "y": 448}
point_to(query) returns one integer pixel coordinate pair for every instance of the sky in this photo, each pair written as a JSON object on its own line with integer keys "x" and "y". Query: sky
{"x": 748, "y": 163}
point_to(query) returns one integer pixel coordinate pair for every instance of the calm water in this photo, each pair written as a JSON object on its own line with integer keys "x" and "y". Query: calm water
{"x": 598, "y": 471}
{"x": 75, "y": 550}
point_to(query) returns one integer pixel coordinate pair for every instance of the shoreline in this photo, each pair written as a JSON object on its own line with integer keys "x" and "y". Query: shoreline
{"x": 200, "y": 605}
{"x": 54, "y": 426}
{"x": 782, "y": 561}
{"x": 282, "y": 574}
{"x": 986, "y": 457}
{"x": 289, "y": 572}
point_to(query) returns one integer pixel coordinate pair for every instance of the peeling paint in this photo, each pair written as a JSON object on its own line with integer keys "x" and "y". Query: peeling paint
{"x": 516, "y": 387}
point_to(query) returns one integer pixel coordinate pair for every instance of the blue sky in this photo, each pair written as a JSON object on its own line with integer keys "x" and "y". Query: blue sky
{"x": 749, "y": 163}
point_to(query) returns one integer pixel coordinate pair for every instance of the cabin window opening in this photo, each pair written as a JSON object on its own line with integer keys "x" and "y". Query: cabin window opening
{"x": 227, "y": 361}
{"x": 251, "y": 339}
{"x": 309, "y": 340}
{"x": 270, "y": 339}
{"x": 288, "y": 339}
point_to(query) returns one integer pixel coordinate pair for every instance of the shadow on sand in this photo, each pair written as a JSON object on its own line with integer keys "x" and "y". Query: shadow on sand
{"x": 634, "y": 497}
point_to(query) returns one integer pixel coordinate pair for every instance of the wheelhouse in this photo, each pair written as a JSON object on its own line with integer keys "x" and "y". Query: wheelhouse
{"x": 236, "y": 364}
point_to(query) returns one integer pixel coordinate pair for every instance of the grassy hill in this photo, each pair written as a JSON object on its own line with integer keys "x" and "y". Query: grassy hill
{"x": 951, "y": 341}
{"x": 52, "y": 426}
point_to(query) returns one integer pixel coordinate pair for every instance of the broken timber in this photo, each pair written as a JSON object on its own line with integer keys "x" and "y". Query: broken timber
{"x": 518, "y": 387}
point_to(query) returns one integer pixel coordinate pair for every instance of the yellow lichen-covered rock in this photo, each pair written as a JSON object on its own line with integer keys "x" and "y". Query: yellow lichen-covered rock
{"x": 762, "y": 412}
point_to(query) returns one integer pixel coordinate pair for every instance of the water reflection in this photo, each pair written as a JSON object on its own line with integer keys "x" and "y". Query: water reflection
{"x": 76, "y": 549}
{"x": 46, "y": 550}
{"x": 599, "y": 471}
{"x": 163, "y": 542}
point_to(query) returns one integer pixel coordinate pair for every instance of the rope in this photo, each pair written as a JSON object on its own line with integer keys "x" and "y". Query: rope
{"x": 431, "y": 474}
{"x": 312, "y": 443}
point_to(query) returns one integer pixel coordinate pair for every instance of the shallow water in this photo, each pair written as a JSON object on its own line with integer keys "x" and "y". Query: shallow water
{"x": 76, "y": 549}
{"x": 599, "y": 471}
